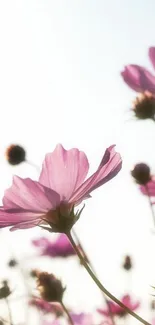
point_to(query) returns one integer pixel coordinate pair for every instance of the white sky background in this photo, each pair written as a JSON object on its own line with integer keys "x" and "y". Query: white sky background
{"x": 60, "y": 64}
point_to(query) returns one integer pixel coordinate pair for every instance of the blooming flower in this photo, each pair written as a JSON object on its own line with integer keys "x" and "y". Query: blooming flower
{"x": 46, "y": 307}
{"x": 117, "y": 310}
{"x": 138, "y": 78}
{"x": 61, "y": 187}
{"x": 61, "y": 247}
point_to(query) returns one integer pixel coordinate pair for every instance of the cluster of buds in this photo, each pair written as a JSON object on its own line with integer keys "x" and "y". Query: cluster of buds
{"x": 50, "y": 288}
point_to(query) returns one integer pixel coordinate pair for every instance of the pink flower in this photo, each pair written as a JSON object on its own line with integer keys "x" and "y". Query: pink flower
{"x": 149, "y": 188}
{"x": 117, "y": 310}
{"x": 82, "y": 319}
{"x": 61, "y": 247}
{"x": 46, "y": 307}
{"x": 138, "y": 78}
{"x": 61, "y": 187}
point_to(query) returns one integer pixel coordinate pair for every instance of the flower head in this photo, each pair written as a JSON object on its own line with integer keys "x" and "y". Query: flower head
{"x": 61, "y": 247}
{"x": 50, "y": 287}
{"x": 141, "y": 173}
{"x": 144, "y": 106}
{"x": 4, "y": 290}
{"x": 12, "y": 263}
{"x": 117, "y": 310}
{"x": 138, "y": 78}
{"x": 15, "y": 154}
{"x": 61, "y": 187}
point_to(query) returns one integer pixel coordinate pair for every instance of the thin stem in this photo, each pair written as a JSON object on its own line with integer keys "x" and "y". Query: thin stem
{"x": 99, "y": 284}
{"x": 150, "y": 203}
{"x": 67, "y": 313}
{"x": 9, "y": 311}
{"x": 90, "y": 264}
{"x": 33, "y": 165}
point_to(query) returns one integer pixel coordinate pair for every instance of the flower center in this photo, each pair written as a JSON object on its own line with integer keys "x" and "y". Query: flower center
{"x": 144, "y": 106}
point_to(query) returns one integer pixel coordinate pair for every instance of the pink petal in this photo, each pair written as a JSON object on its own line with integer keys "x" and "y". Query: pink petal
{"x": 64, "y": 170}
{"x": 138, "y": 78}
{"x": 152, "y": 55}
{"x": 149, "y": 189}
{"x": 30, "y": 195}
{"x": 110, "y": 165}
{"x": 14, "y": 217}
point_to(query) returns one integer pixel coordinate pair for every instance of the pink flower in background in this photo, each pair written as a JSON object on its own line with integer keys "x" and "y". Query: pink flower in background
{"x": 61, "y": 247}
{"x": 46, "y": 307}
{"x": 117, "y": 310}
{"x": 61, "y": 187}
{"x": 138, "y": 78}
{"x": 82, "y": 319}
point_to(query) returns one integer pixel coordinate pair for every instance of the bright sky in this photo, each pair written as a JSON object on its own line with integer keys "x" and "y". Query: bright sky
{"x": 60, "y": 64}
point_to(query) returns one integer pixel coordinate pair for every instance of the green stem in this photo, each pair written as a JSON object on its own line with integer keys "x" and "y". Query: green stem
{"x": 67, "y": 313}
{"x": 100, "y": 286}
{"x": 88, "y": 260}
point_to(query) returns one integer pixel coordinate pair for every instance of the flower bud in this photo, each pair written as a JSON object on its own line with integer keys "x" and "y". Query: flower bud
{"x": 4, "y": 290}
{"x": 141, "y": 173}
{"x": 12, "y": 263}
{"x": 50, "y": 287}
{"x": 15, "y": 154}
{"x": 127, "y": 264}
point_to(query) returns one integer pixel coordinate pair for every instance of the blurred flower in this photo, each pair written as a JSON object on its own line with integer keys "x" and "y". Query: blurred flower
{"x": 138, "y": 78}
{"x": 117, "y": 310}
{"x": 15, "y": 154}
{"x": 127, "y": 264}
{"x": 82, "y": 319}
{"x": 141, "y": 173}
{"x": 12, "y": 263}
{"x": 50, "y": 287}
{"x": 34, "y": 273}
{"x": 144, "y": 106}
{"x": 4, "y": 290}
{"x": 46, "y": 307}
{"x": 61, "y": 186}
{"x": 61, "y": 247}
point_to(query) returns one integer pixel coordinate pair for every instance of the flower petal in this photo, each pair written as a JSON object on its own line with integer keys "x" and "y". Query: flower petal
{"x": 138, "y": 78}
{"x": 30, "y": 195}
{"x": 149, "y": 189}
{"x": 15, "y": 217}
{"x": 64, "y": 170}
{"x": 110, "y": 165}
{"x": 152, "y": 55}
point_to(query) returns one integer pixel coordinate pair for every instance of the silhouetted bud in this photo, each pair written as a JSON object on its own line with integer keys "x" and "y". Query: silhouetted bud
{"x": 15, "y": 154}
{"x": 4, "y": 290}
{"x": 12, "y": 263}
{"x": 50, "y": 288}
{"x": 127, "y": 265}
{"x": 141, "y": 173}
{"x": 144, "y": 106}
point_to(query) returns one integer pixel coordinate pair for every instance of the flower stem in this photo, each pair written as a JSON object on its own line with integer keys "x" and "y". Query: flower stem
{"x": 90, "y": 264}
{"x": 9, "y": 311}
{"x": 100, "y": 286}
{"x": 67, "y": 313}
{"x": 150, "y": 203}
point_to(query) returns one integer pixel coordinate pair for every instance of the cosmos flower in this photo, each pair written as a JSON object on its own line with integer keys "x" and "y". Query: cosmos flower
{"x": 117, "y": 310}
{"x": 138, "y": 78}
{"x": 60, "y": 247}
{"x": 61, "y": 187}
